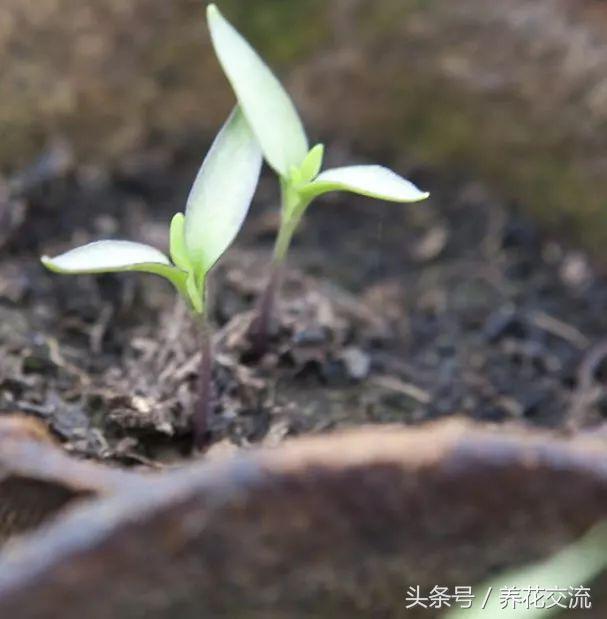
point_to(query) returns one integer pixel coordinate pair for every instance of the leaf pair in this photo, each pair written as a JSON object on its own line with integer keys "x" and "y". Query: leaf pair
{"x": 280, "y": 132}
{"x": 267, "y": 122}
{"x": 216, "y": 208}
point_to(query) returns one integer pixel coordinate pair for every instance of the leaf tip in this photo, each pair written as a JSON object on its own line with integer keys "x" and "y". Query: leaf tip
{"x": 213, "y": 13}
{"x": 317, "y": 154}
{"x": 49, "y": 263}
{"x": 177, "y": 218}
{"x": 312, "y": 163}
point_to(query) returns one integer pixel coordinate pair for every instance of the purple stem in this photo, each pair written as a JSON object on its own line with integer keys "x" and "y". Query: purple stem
{"x": 202, "y": 413}
{"x": 259, "y": 331}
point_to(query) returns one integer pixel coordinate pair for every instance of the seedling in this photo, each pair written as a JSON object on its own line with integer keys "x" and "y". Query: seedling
{"x": 216, "y": 208}
{"x": 527, "y": 591}
{"x": 275, "y": 122}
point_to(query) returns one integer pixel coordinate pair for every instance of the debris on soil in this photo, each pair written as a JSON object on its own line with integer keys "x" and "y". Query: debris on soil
{"x": 387, "y": 314}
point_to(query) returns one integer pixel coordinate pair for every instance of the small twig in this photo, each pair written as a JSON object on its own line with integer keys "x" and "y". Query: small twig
{"x": 586, "y": 392}
{"x": 99, "y": 329}
{"x": 561, "y": 329}
{"x": 395, "y": 384}
{"x": 57, "y": 358}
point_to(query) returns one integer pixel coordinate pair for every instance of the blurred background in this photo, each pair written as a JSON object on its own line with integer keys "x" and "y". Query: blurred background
{"x": 513, "y": 91}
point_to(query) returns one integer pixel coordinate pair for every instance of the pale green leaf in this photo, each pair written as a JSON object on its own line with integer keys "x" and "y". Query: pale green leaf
{"x": 312, "y": 163}
{"x": 222, "y": 192}
{"x": 106, "y": 256}
{"x": 267, "y": 106}
{"x": 368, "y": 180}
{"x": 179, "y": 254}
{"x": 116, "y": 257}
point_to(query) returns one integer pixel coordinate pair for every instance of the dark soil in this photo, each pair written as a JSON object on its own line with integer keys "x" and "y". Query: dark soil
{"x": 389, "y": 313}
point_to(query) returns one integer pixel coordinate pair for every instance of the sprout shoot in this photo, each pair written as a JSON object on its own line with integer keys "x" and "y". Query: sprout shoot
{"x": 216, "y": 208}
{"x": 279, "y": 130}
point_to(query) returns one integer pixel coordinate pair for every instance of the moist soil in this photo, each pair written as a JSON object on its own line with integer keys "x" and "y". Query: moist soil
{"x": 388, "y": 314}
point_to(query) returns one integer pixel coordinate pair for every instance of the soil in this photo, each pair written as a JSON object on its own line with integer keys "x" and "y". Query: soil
{"x": 388, "y": 313}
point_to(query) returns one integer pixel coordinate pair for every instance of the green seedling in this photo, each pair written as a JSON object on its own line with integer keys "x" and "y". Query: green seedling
{"x": 216, "y": 208}
{"x": 567, "y": 571}
{"x": 275, "y": 122}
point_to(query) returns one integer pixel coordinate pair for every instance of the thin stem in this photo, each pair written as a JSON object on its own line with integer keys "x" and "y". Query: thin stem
{"x": 293, "y": 205}
{"x": 259, "y": 333}
{"x": 203, "y": 410}
{"x": 292, "y": 210}
{"x": 284, "y": 238}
